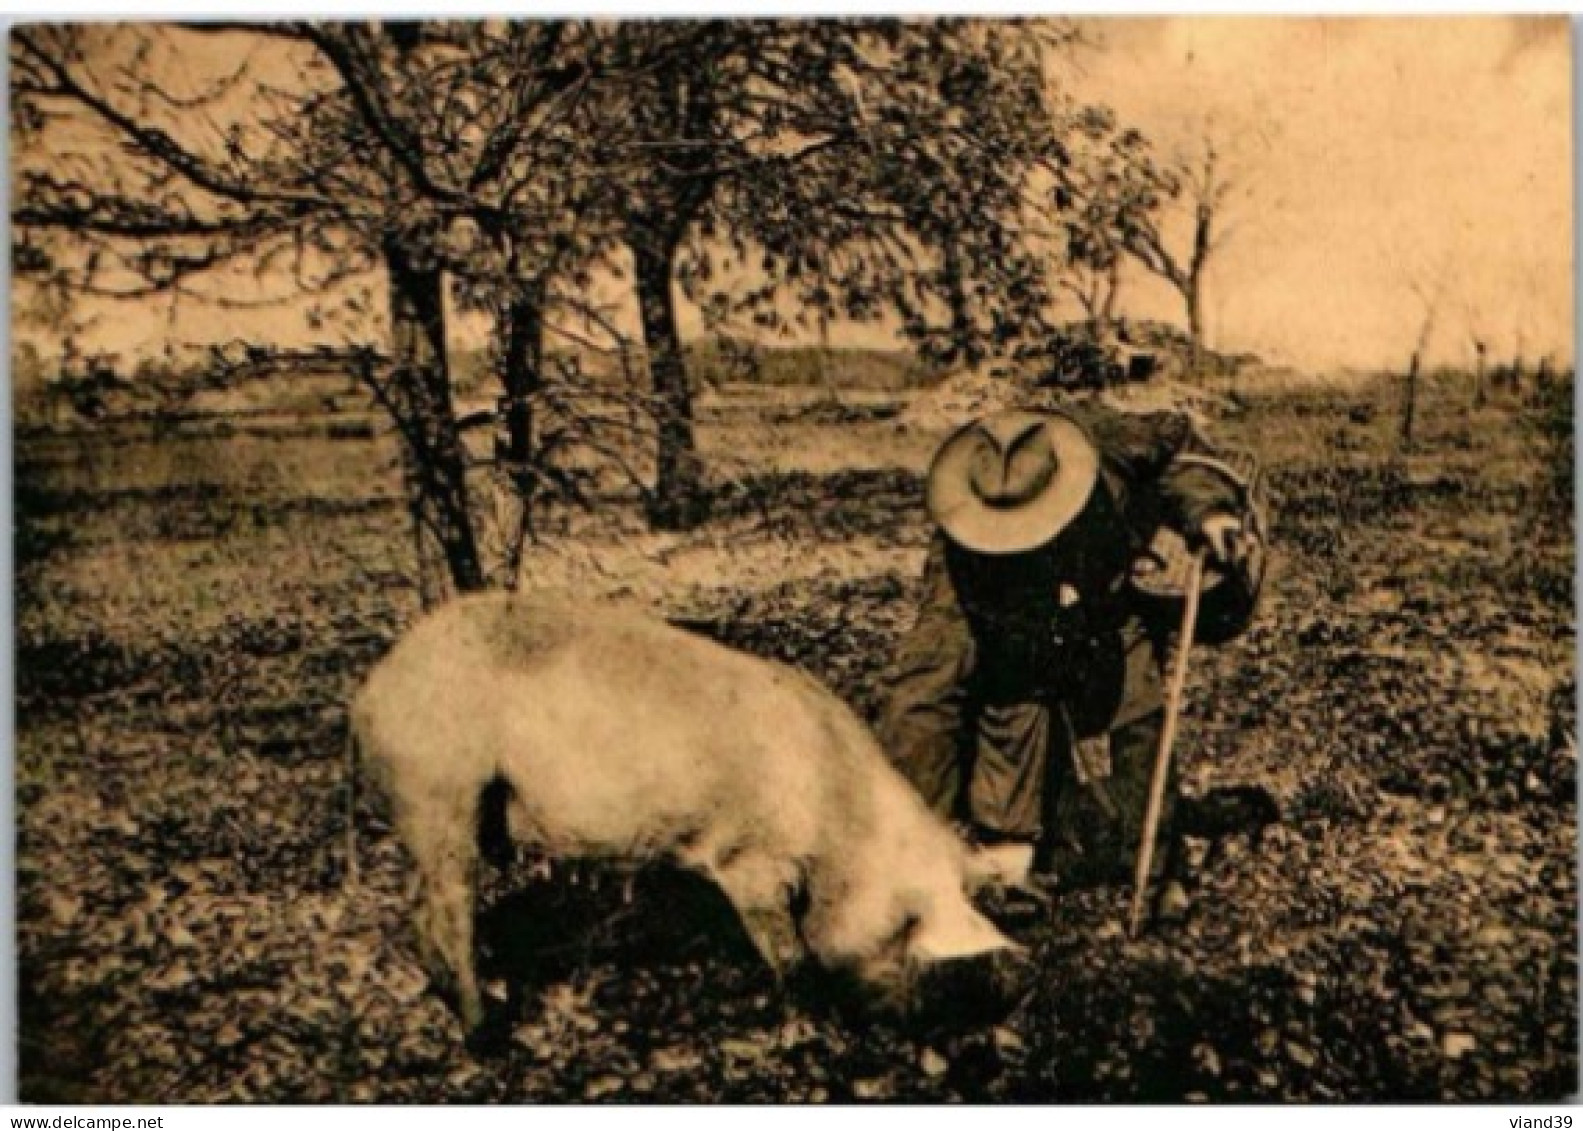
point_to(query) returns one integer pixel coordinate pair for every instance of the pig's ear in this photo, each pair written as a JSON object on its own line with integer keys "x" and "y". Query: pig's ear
{"x": 963, "y": 934}
{"x": 977, "y": 877}
{"x": 997, "y": 866}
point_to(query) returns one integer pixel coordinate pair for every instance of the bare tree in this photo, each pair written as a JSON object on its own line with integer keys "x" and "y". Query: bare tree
{"x": 1480, "y": 363}
{"x": 1110, "y": 186}
{"x": 1202, "y": 188}
{"x": 1428, "y": 284}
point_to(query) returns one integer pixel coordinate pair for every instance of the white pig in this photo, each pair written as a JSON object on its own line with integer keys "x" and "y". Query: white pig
{"x": 622, "y": 737}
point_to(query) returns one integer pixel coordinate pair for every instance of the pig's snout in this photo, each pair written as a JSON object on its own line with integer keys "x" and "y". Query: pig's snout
{"x": 939, "y": 994}
{"x": 970, "y": 992}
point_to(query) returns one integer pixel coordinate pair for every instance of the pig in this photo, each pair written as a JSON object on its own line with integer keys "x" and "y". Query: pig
{"x": 620, "y": 737}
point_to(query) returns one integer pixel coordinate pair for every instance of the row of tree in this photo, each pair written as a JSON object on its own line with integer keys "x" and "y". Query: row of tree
{"x": 767, "y": 171}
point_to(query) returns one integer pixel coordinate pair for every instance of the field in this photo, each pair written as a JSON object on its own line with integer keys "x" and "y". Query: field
{"x": 194, "y": 608}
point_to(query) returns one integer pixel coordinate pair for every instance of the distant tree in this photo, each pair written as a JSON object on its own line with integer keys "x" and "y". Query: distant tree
{"x": 1428, "y": 284}
{"x": 1480, "y": 364}
{"x": 1201, "y": 187}
{"x": 1109, "y": 188}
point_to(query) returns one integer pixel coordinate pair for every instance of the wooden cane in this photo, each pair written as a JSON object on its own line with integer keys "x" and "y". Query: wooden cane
{"x": 1162, "y": 757}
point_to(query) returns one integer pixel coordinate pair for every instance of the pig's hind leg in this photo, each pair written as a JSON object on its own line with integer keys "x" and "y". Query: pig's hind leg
{"x": 441, "y": 831}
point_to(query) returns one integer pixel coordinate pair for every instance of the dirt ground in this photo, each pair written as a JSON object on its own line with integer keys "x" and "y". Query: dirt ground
{"x": 194, "y": 610}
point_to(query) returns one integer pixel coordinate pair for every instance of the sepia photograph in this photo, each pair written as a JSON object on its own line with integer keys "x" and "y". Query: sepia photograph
{"x": 794, "y": 560}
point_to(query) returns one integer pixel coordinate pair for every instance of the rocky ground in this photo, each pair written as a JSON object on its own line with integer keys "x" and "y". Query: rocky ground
{"x": 192, "y": 614}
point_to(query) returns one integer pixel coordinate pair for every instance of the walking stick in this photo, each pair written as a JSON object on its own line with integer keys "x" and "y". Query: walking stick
{"x": 1162, "y": 757}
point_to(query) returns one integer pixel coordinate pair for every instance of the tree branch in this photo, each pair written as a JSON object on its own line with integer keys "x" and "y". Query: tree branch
{"x": 351, "y": 64}
{"x": 151, "y": 141}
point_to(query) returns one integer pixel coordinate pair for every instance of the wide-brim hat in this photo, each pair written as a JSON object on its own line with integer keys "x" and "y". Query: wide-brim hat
{"x": 1010, "y": 482}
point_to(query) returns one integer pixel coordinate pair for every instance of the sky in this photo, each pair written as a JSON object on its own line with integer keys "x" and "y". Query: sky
{"x": 1382, "y": 162}
{"x": 1390, "y": 174}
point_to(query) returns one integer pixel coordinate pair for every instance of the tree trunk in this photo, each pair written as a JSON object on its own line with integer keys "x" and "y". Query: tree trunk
{"x": 523, "y": 372}
{"x": 1410, "y": 404}
{"x": 678, "y": 502}
{"x": 419, "y": 398}
{"x": 1195, "y": 328}
{"x": 964, "y": 345}
{"x": 516, "y": 452}
{"x": 1478, "y": 376}
{"x": 1105, "y": 315}
{"x": 1193, "y": 292}
{"x": 830, "y": 391}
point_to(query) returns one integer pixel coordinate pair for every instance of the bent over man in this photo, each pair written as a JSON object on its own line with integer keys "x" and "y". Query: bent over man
{"x": 1027, "y": 697}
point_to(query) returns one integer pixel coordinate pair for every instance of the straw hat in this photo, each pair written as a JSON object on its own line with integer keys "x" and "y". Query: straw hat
{"x": 1010, "y": 482}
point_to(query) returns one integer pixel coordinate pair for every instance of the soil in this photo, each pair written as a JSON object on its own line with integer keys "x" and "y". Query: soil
{"x": 194, "y": 611}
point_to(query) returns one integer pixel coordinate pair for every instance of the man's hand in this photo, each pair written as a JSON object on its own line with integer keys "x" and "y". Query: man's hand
{"x": 1229, "y": 542}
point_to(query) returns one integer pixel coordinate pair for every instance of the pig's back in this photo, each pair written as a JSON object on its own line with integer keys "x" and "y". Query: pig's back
{"x": 618, "y": 733}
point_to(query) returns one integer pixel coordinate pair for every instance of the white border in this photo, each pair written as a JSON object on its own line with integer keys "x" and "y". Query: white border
{"x": 1385, "y": 1118}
